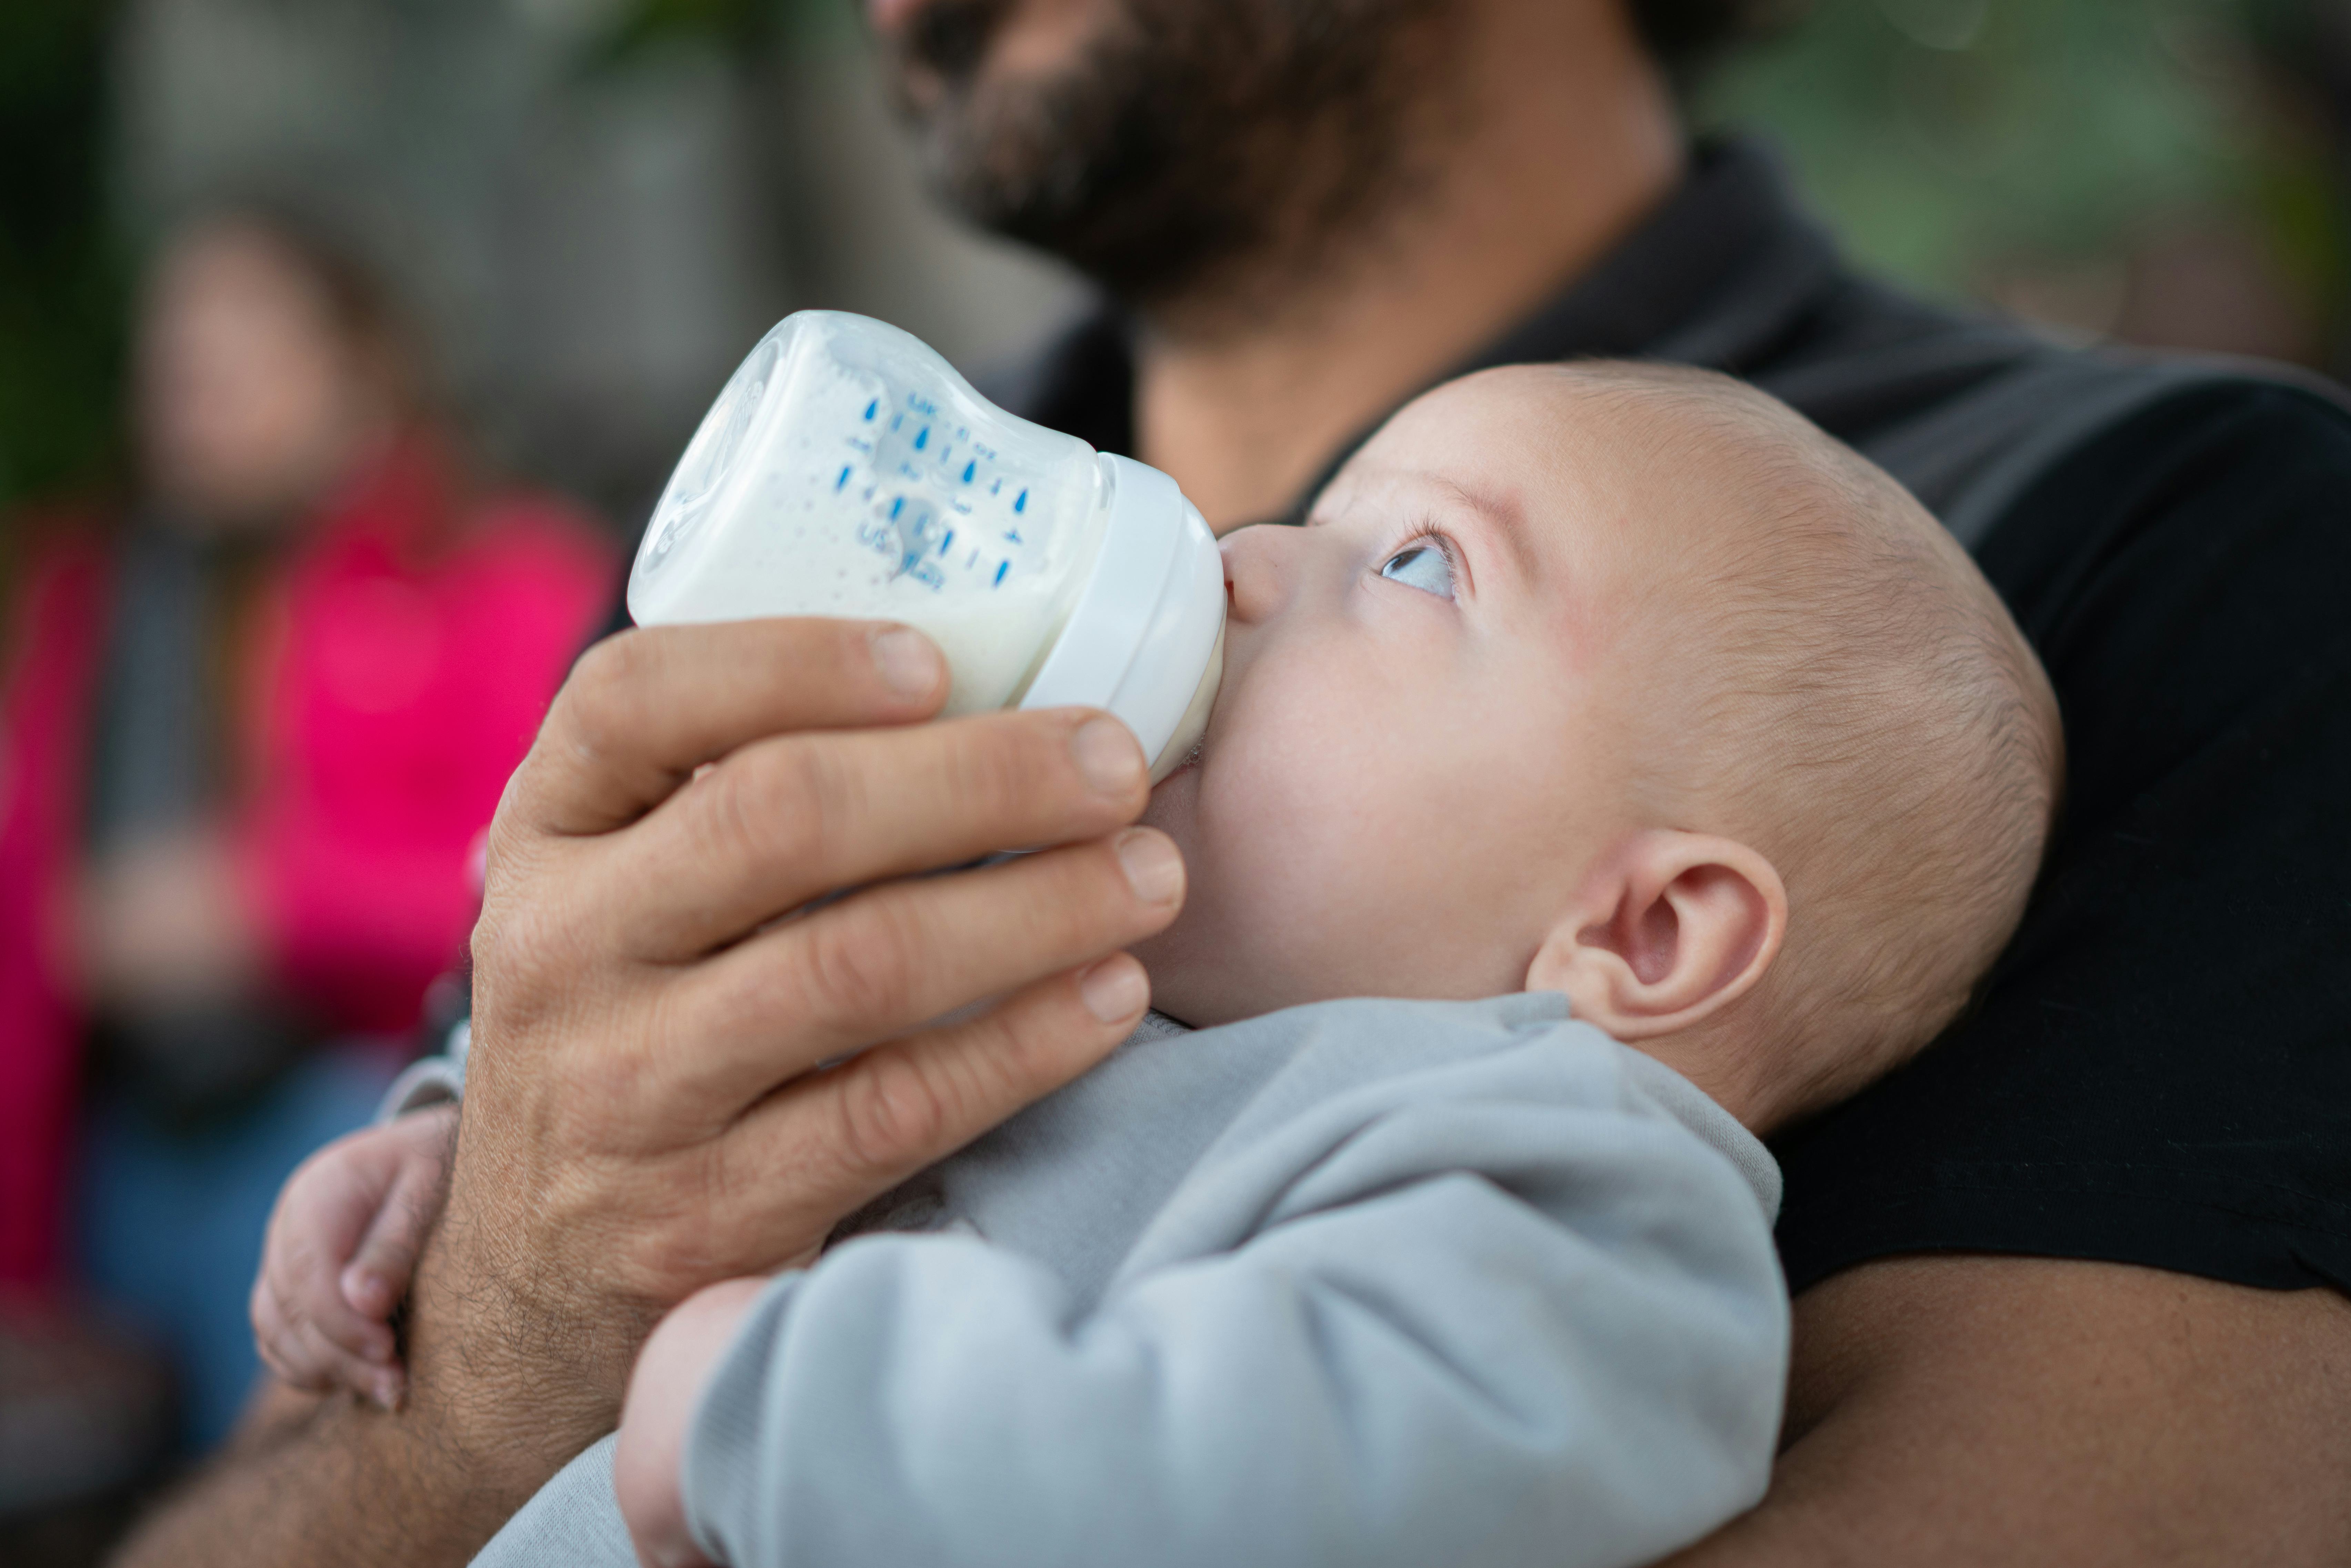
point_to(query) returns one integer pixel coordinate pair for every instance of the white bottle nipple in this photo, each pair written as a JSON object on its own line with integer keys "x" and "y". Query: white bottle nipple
{"x": 846, "y": 469}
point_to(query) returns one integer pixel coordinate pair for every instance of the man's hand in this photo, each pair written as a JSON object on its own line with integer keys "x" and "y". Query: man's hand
{"x": 686, "y": 1065}
{"x": 655, "y": 998}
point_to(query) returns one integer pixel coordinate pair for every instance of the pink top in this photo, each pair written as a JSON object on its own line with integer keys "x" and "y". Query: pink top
{"x": 406, "y": 654}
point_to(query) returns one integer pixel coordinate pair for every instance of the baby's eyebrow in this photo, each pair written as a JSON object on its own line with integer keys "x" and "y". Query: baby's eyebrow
{"x": 1505, "y": 519}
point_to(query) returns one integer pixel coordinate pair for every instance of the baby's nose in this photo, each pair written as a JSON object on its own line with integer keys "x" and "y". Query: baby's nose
{"x": 1252, "y": 574}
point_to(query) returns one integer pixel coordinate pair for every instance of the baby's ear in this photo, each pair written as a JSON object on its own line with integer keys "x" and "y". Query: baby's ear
{"x": 1668, "y": 930}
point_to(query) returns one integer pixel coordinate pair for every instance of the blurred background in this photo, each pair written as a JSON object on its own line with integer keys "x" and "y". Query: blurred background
{"x": 600, "y": 203}
{"x": 577, "y": 214}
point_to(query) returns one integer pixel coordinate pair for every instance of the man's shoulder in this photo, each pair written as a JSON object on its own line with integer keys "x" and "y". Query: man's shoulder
{"x": 1975, "y": 417}
{"x": 1974, "y": 411}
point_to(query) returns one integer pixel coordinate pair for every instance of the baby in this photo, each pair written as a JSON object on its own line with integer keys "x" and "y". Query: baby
{"x": 1610, "y": 692}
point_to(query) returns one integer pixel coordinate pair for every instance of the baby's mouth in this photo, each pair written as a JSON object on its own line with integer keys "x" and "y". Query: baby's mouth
{"x": 1191, "y": 760}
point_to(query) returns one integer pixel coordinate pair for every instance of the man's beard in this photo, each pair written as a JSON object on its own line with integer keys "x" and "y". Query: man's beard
{"x": 1189, "y": 142}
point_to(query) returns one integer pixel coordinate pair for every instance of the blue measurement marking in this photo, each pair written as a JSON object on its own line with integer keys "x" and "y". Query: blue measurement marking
{"x": 1014, "y": 535}
{"x": 969, "y": 470}
{"x": 872, "y": 409}
{"x": 1022, "y": 504}
{"x": 1001, "y": 567}
{"x": 896, "y": 420}
{"x": 897, "y": 506}
{"x": 843, "y": 483}
{"x": 947, "y": 541}
{"x": 922, "y": 440}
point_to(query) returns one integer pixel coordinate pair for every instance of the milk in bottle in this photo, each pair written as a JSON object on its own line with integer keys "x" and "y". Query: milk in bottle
{"x": 846, "y": 469}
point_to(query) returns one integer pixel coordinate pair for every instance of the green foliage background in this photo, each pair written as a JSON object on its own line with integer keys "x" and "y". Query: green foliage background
{"x": 1944, "y": 134}
{"x": 62, "y": 273}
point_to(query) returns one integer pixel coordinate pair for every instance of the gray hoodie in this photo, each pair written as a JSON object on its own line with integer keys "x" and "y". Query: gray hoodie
{"x": 1360, "y": 1283}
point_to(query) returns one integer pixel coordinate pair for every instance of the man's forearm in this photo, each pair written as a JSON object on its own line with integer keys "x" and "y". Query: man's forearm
{"x": 1948, "y": 1412}
{"x": 317, "y": 1482}
{"x": 503, "y": 1392}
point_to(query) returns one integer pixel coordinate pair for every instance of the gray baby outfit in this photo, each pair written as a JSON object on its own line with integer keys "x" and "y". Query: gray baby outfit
{"x": 1360, "y": 1283}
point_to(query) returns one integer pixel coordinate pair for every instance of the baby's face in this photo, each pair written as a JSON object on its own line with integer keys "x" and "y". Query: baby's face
{"x": 1422, "y": 742}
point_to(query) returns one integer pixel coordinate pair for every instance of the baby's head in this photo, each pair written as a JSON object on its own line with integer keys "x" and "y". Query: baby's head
{"x": 1625, "y": 682}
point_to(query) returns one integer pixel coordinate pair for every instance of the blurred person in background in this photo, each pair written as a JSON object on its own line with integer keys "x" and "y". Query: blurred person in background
{"x": 255, "y": 721}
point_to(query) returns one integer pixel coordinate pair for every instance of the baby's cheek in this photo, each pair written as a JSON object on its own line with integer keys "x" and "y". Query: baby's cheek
{"x": 1297, "y": 868}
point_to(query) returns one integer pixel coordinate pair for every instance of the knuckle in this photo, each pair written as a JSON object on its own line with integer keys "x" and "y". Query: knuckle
{"x": 600, "y": 701}
{"x": 785, "y": 804}
{"x": 892, "y": 1113}
{"x": 727, "y": 827}
{"x": 857, "y": 965}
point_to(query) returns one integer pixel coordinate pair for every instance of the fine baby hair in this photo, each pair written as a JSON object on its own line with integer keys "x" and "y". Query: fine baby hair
{"x": 1850, "y": 696}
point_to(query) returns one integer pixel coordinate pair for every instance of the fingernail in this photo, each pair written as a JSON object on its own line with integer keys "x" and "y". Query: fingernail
{"x": 387, "y": 1394}
{"x": 1107, "y": 755}
{"x": 1154, "y": 868}
{"x": 908, "y": 661}
{"x": 1114, "y": 988}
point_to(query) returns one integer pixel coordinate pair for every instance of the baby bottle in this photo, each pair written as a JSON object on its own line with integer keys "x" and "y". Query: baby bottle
{"x": 848, "y": 470}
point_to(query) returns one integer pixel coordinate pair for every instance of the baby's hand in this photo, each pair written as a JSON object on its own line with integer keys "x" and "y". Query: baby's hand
{"x": 671, "y": 1370}
{"x": 342, "y": 1246}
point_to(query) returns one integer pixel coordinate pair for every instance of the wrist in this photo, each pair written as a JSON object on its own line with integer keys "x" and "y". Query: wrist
{"x": 514, "y": 1373}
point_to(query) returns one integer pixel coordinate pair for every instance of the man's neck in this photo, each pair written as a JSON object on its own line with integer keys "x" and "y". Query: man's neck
{"x": 1567, "y": 138}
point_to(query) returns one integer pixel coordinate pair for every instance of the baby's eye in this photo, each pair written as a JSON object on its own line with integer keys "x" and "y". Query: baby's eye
{"x": 1423, "y": 566}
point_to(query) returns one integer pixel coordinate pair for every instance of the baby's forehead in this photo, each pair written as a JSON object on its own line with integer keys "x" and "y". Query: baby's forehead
{"x": 1510, "y": 398}
{"x": 1554, "y": 428}
{"x": 1549, "y": 454}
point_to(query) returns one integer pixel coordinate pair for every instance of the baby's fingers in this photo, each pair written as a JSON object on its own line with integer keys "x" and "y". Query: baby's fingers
{"x": 378, "y": 1274}
{"x": 283, "y": 1351}
{"x": 384, "y": 1383}
{"x": 297, "y": 1348}
{"x": 302, "y": 1282}
{"x": 297, "y": 1305}
{"x": 380, "y": 1381}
